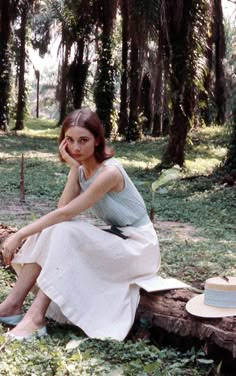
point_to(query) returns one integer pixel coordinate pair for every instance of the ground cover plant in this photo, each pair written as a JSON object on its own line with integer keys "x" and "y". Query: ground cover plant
{"x": 195, "y": 220}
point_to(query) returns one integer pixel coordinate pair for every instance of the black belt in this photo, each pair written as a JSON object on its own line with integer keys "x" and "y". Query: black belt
{"x": 116, "y": 231}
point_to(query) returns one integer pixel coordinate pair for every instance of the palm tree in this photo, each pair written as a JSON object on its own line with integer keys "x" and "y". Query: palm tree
{"x": 24, "y": 10}
{"x": 83, "y": 31}
{"x": 144, "y": 16}
{"x": 8, "y": 10}
{"x": 76, "y": 24}
{"x": 219, "y": 69}
{"x": 186, "y": 25}
{"x": 123, "y": 114}
{"x": 104, "y": 86}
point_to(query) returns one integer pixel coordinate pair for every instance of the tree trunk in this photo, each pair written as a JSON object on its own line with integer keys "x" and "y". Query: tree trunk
{"x": 230, "y": 162}
{"x": 21, "y": 102}
{"x": 159, "y": 92}
{"x": 145, "y": 104}
{"x": 177, "y": 135}
{"x": 134, "y": 132}
{"x": 181, "y": 59}
{"x": 63, "y": 85}
{"x": 5, "y": 63}
{"x": 205, "y": 95}
{"x": 104, "y": 93}
{"x": 37, "y": 75}
{"x": 219, "y": 68}
{"x": 77, "y": 75}
{"x": 163, "y": 318}
{"x": 123, "y": 115}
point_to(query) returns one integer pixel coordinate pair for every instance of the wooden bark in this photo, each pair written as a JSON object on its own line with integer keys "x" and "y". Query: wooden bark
{"x": 162, "y": 317}
{"x": 5, "y": 231}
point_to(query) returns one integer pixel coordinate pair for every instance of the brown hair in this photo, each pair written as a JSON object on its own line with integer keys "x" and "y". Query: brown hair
{"x": 89, "y": 120}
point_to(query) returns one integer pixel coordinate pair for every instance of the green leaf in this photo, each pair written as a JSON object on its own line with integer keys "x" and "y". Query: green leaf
{"x": 73, "y": 344}
{"x": 205, "y": 361}
{"x": 165, "y": 177}
{"x": 152, "y": 367}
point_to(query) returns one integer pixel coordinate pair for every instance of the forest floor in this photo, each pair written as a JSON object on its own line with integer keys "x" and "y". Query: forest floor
{"x": 19, "y": 211}
{"x": 195, "y": 221}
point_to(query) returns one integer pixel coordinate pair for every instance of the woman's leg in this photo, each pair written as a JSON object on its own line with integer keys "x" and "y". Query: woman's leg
{"x": 12, "y": 305}
{"x": 34, "y": 318}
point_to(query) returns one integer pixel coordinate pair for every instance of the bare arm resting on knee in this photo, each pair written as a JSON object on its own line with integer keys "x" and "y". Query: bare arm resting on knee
{"x": 110, "y": 179}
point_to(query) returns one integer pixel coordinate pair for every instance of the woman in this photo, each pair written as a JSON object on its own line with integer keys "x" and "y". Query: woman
{"x": 83, "y": 274}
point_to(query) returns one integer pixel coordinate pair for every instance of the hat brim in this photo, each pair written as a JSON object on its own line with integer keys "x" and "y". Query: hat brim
{"x": 196, "y": 307}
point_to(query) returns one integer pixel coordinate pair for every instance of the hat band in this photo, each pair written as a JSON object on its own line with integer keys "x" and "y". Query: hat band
{"x": 222, "y": 299}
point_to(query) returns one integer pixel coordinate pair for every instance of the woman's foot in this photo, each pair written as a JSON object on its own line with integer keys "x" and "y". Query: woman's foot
{"x": 28, "y": 328}
{"x": 8, "y": 309}
{"x": 39, "y": 333}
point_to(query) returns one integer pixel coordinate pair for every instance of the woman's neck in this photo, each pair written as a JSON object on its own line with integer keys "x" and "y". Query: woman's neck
{"x": 90, "y": 168}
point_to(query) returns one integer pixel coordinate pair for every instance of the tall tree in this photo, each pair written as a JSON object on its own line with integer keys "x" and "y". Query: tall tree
{"x": 62, "y": 91}
{"x": 143, "y": 24}
{"x": 187, "y": 26}
{"x": 7, "y": 14}
{"x": 83, "y": 34}
{"x": 230, "y": 162}
{"x": 123, "y": 115}
{"x": 104, "y": 86}
{"x": 24, "y": 11}
{"x": 159, "y": 89}
{"x": 76, "y": 24}
{"x": 219, "y": 57}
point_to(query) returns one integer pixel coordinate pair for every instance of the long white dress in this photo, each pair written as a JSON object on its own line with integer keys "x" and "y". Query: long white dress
{"x": 92, "y": 275}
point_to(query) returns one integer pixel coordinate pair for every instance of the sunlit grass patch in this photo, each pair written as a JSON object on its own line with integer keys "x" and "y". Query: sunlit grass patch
{"x": 40, "y": 156}
{"x": 48, "y": 133}
{"x": 141, "y": 164}
{"x": 207, "y": 150}
{"x": 39, "y": 128}
{"x": 202, "y": 166}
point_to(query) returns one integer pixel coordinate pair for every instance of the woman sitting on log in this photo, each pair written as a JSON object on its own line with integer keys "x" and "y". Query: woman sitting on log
{"x": 80, "y": 273}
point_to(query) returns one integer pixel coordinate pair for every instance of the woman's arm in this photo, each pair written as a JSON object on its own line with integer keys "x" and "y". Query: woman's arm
{"x": 110, "y": 179}
{"x": 72, "y": 188}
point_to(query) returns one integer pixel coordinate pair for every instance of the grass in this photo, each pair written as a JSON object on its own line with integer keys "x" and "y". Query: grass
{"x": 198, "y": 201}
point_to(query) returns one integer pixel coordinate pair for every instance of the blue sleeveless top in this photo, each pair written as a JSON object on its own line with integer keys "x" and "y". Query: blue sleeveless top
{"x": 125, "y": 208}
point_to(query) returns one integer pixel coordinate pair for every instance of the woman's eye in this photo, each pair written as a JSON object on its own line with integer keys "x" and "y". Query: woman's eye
{"x": 83, "y": 140}
{"x": 68, "y": 139}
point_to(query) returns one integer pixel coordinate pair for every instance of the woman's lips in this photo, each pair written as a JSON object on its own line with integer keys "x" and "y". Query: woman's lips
{"x": 76, "y": 155}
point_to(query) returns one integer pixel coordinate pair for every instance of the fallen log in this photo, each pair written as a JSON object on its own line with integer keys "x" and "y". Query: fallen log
{"x": 162, "y": 318}
{"x": 5, "y": 231}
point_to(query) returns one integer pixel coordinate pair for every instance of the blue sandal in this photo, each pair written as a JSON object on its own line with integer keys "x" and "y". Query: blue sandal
{"x": 11, "y": 320}
{"x": 38, "y": 333}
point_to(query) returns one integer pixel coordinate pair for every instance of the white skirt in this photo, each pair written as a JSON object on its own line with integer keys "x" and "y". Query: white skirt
{"x": 90, "y": 275}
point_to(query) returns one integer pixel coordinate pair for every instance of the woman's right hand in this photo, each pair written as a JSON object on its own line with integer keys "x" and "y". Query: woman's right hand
{"x": 71, "y": 162}
{"x": 10, "y": 246}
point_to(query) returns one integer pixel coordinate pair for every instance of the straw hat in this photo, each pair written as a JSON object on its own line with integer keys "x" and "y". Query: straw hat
{"x": 218, "y": 300}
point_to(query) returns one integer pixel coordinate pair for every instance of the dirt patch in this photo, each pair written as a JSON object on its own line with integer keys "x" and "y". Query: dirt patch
{"x": 184, "y": 231}
{"x": 17, "y": 214}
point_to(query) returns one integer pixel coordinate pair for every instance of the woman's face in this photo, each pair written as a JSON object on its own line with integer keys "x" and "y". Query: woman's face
{"x": 80, "y": 143}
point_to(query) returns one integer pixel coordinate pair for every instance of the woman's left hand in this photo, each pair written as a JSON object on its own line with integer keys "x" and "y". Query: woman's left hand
{"x": 10, "y": 246}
